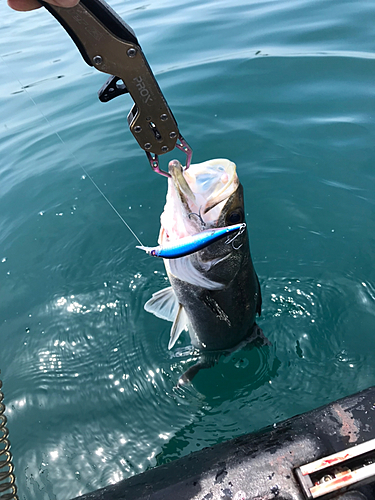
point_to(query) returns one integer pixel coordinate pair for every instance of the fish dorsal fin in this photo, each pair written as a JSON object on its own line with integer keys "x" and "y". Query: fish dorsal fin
{"x": 179, "y": 325}
{"x": 184, "y": 270}
{"x": 163, "y": 304}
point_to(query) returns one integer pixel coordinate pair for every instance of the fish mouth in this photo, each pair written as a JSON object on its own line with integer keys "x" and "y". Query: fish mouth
{"x": 204, "y": 188}
{"x": 196, "y": 197}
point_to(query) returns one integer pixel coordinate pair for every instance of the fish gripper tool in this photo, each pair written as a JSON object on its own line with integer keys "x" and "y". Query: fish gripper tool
{"x": 108, "y": 44}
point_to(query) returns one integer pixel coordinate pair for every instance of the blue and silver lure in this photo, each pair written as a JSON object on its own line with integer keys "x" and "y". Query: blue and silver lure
{"x": 191, "y": 244}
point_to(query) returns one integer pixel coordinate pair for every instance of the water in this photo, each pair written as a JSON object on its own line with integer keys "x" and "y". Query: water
{"x": 283, "y": 88}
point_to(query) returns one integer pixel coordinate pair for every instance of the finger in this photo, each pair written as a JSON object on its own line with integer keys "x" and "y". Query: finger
{"x": 24, "y": 5}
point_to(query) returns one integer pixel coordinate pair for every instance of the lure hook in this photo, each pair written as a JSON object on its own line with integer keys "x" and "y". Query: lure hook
{"x": 231, "y": 240}
{"x": 199, "y": 215}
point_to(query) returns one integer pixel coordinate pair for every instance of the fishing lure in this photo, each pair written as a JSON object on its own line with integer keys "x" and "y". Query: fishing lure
{"x": 191, "y": 244}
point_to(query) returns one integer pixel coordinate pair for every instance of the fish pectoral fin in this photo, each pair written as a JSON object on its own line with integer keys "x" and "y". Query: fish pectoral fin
{"x": 208, "y": 265}
{"x": 179, "y": 325}
{"x": 163, "y": 304}
{"x": 184, "y": 270}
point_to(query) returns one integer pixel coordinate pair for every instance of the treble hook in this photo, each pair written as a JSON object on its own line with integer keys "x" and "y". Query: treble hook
{"x": 203, "y": 224}
{"x": 231, "y": 240}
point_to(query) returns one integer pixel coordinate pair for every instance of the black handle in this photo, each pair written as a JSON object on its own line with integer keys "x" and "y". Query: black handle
{"x": 103, "y": 14}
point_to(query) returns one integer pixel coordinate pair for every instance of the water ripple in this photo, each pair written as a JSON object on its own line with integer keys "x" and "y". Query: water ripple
{"x": 287, "y": 94}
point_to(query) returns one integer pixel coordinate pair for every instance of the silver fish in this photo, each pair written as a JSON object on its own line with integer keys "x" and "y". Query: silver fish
{"x": 215, "y": 292}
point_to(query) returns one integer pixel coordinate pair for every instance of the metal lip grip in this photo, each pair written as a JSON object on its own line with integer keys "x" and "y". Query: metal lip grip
{"x": 106, "y": 42}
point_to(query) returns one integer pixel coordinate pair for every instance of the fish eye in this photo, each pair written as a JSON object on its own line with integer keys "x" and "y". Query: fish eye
{"x": 236, "y": 217}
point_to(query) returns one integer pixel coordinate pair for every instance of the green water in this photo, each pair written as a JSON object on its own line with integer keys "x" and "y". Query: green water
{"x": 286, "y": 89}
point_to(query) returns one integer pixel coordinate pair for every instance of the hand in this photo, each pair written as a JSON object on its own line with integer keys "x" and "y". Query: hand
{"x": 34, "y": 4}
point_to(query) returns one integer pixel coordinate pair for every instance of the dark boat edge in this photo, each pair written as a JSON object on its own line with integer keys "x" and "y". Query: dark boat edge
{"x": 261, "y": 465}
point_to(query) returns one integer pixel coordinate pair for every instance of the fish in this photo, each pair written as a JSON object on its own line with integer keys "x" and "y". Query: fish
{"x": 191, "y": 244}
{"x": 215, "y": 293}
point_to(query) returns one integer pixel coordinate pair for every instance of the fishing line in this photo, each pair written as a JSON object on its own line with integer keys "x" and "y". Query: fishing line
{"x": 74, "y": 157}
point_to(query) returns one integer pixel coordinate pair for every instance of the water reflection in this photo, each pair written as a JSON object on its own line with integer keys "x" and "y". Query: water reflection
{"x": 104, "y": 402}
